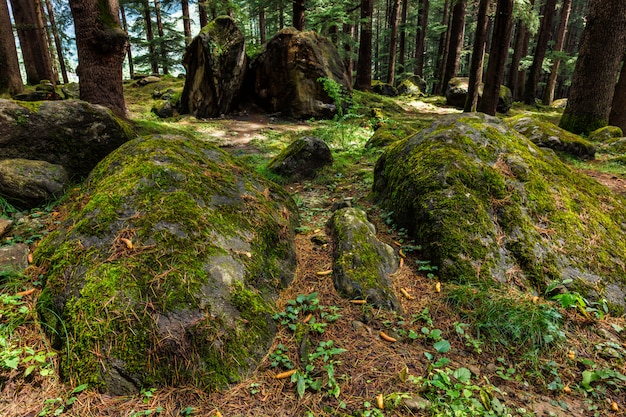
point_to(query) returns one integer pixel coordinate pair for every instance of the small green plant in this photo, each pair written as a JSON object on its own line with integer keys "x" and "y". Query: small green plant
{"x": 470, "y": 341}
{"x": 279, "y": 358}
{"x": 296, "y": 314}
{"x": 323, "y": 357}
{"x": 254, "y": 388}
{"x": 371, "y": 411}
{"x": 58, "y": 406}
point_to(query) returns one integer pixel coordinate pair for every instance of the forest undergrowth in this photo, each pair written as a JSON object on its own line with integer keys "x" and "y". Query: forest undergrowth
{"x": 454, "y": 351}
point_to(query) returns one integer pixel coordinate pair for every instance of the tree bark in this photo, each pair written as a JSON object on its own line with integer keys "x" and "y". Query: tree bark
{"x": 545, "y": 32}
{"x": 101, "y": 45}
{"x": 455, "y": 44}
{"x": 520, "y": 49}
{"x": 364, "y": 64}
{"x": 131, "y": 69}
{"x": 617, "y": 117}
{"x": 478, "y": 56}
{"x": 262, "y": 30}
{"x": 593, "y": 82}
{"x": 420, "y": 37}
{"x": 393, "y": 42}
{"x": 147, "y": 17}
{"x": 10, "y": 77}
{"x": 548, "y": 95}
{"x": 298, "y": 14}
{"x": 184, "y": 4}
{"x": 442, "y": 53}
{"x": 57, "y": 41}
{"x": 202, "y": 14}
{"x": 162, "y": 48}
{"x": 497, "y": 57}
{"x": 402, "y": 46}
{"x": 35, "y": 52}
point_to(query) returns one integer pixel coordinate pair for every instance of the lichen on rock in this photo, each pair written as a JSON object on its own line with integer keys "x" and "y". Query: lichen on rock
{"x": 165, "y": 268}
{"x": 488, "y": 205}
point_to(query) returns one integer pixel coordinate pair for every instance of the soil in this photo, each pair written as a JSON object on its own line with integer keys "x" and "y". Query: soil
{"x": 370, "y": 365}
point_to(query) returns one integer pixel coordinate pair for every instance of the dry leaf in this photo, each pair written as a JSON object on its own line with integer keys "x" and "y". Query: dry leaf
{"x": 438, "y": 287}
{"x": 25, "y": 293}
{"x": 127, "y": 242}
{"x": 386, "y": 337}
{"x": 324, "y": 273}
{"x": 285, "y": 374}
{"x": 380, "y": 401}
{"x": 406, "y": 294}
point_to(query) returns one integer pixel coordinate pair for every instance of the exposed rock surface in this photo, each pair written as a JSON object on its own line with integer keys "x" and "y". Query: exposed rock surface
{"x": 285, "y": 75}
{"x": 486, "y": 203}
{"x": 548, "y": 135}
{"x": 26, "y": 184}
{"x": 605, "y": 134}
{"x": 456, "y": 94}
{"x": 165, "y": 268}
{"x": 14, "y": 257}
{"x": 71, "y": 133}
{"x": 361, "y": 262}
{"x": 303, "y": 158}
{"x": 384, "y": 89}
{"x": 216, "y": 66}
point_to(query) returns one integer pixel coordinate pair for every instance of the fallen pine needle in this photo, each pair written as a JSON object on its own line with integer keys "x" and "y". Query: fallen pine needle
{"x": 386, "y": 337}
{"x": 285, "y": 374}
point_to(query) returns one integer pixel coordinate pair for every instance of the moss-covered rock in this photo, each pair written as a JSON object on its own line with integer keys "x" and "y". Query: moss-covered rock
{"x": 71, "y": 133}
{"x": 165, "y": 268}
{"x": 548, "y": 135}
{"x": 605, "y": 134}
{"x": 407, "y": 88}
{"x": 302, "y": 159}
{"x": 486, "y": 204}
{"x": 26, "y": 184}
{"x": 456, "y": 94}
{"x": 384, "y": 89}
{"x": 361, "y": 262}
{"x": 388, "y": 134}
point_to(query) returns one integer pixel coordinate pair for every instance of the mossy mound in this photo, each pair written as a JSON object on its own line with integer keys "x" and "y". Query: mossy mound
{"x": 302, "y": 159}
{"x": 487, "y": 204}
{"x": 605, "y": 134}
{"x": 388, "y": 134}
{"x": 165, "y": 268}
{"x": 548, "y": 135}
{"x": 361, "y": 262}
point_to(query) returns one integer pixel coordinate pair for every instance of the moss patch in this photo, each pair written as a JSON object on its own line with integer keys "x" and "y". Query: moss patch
{"x": 485, "y": 203}
{"x": 165, "y": 267}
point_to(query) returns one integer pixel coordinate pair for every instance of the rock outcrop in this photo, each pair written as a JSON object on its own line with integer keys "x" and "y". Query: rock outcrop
{"x": 485, "y": 203}
{"x": 302, "y": 159}
{"x": 285, "y": 77}
{"x": 26, "y": 184}
{"x": 216, "y": 66}
{"x": 165, "y": 268}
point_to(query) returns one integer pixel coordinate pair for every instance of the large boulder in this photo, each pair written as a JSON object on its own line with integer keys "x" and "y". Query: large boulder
{"x": 286, "y": 75}
{"x": 216, "y": 66}
{"x": 361, "y": 262}
{"x": 548, "y": 135}
{"x": 486, "y": 203}
{"x": 165, "y": 268}
{"x": 71, "y": 133}
{"x": 302, "y": 159}
{"x": 456, "y": 94}
{"x": 26, "y": 184}
{"x": 606, "y": 134}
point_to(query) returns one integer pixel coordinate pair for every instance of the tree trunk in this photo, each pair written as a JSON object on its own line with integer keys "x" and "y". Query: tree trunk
{"x": 617, "y": 117}
{"x": 520, "y": 49}
{"x": 420, "y": 37}
{"x": 101, "y": 43}
{"x": 202, "y": 15}
{"x": 48, "y": 36}
{"x": 57, "y": 41}
{"x": 497, "y": 57}
{"x": 593, "y": 83}
{"x": 29, "y": 25}
{"x": 10, "y": 77}
{"x": 298, "y": 14}
{"x": 393, "y": 42}
{"x": 147, "y": 16}
{"x": 184, "y": 4}
{"x": 131, "y": 69}
{"x": 545, "y": 33}
{"x": 548, "y": 95}
{"x": 402, "y": 46}
{"x": 364, "y": 64}
{"x": 262, "y": 30}
{"x": 348, "y": 30}
{"x": 442, "y": 53}
{"x": 455, "y": 44}
{"x": 478, "y": 56}
{"x": 162, "y": 48}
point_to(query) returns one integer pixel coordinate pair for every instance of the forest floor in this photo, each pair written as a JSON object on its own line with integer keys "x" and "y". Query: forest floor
{"x": 440, "y": 364}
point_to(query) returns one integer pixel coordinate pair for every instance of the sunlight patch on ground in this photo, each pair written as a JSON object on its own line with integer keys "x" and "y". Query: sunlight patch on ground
{"x": 422, "y": 107}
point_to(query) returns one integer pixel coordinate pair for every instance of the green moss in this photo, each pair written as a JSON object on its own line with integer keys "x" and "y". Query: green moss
{"x": 581, "y": 124}
{"x": 605, "y": 134}
{"x": 477, "y": 196}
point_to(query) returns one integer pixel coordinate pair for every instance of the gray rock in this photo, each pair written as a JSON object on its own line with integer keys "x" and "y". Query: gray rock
{"x": 14, "y": 257}
{"x": 163, "y": 109}
{"x": 285, "y": 75}
{"x": 361, "y": 262}
{"x": 71, "y": 133}
{"x": 167, "y": 268}
{"x": 215, "y": 62}
{"x": 456, "y": 94}
{"x": 5, "y": 226}
{"x": 150, "y": 79}
{"x": 302, "y": 159}
{"x": 416, "y": 403}
{"x": 26, "y": 184}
